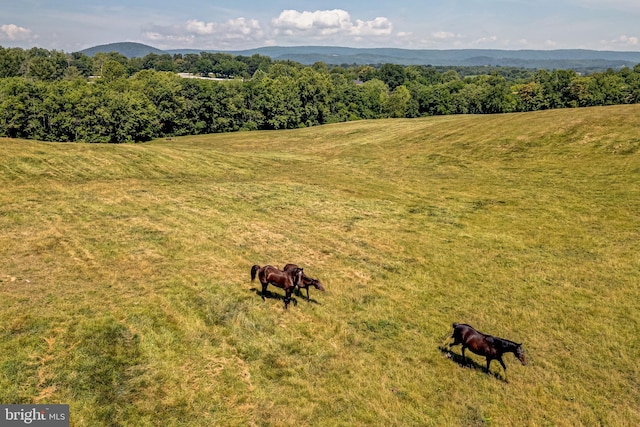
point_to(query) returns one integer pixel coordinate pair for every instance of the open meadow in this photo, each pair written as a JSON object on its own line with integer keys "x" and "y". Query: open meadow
{"x": 125, "y": 286}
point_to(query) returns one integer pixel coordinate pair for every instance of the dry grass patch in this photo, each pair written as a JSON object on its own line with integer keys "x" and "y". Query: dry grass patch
{"x": 124, "y": 273}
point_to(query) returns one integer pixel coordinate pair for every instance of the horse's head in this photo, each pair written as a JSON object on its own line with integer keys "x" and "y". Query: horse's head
{"x": 316, "y": 284}
{"x": 297, "y": 275}
{"x": 520, "y": 354}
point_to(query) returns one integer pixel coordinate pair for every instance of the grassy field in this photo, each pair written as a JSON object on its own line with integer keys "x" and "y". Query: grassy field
{"x": 125, "y": 288}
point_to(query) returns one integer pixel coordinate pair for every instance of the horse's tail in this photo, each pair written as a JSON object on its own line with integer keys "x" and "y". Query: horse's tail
{"x": 254, "y": 269}
{"x": 455, "y": 326}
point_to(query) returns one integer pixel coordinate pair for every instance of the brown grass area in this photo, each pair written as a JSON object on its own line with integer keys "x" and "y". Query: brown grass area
{"x": 125, "y": 288}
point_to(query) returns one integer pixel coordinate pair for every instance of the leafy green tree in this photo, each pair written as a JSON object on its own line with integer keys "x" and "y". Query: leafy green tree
{"x": 40, "y": 64}
{"x": 372, "y": 99}
{"x": 498, "y": 97}
{"x": 431, "y": 75}
{"x": 414, "y": 75}
{"x": 450, "y": 76}
{"x": 11, "y": 60}
{"x": 204, "y": 67}
{"x": 632, "y": 79}
{"x": 366, "y": 73}
{"x": 14, "y": 115}
{"x": 256, "y": 62}
{"x": 469, "y": 99}
{"x": 342, "y": 97}
{"x": 283, "y": 69}
{"x": 398, "y": 102}
{"x": 228, "y": 68}
{"x": 433, "y": 100}
{"x": 528, "y": 96}
{"x": 163, "y": 89}
{"x": 92, "y": 115}
{"x": 100, "y": 58}
{"x": 81, "y": 62}
{"x": 187, "y": 63}
{"x": 581, "y": 89}
{"x": 314, "y": 88}
{"x": 556, "y": 87}
{"x": 134, "y": 65}
{"x": 131, "y": 117}
{"x": 165, "y": 63}
{"x": 392, "y": 74}
{"x": 113, "y": 70}
{"x": 59, "y": 109}
{"x": 610, "y": 88}
{"x": 279, "y": 102}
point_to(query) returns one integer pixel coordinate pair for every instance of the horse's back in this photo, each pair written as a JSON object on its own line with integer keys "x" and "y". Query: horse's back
{"x": 290, "y": 267}
{"x": 463, "y": 331}
{"x": 269, "y": 270}
{"x": 474, "y": 340}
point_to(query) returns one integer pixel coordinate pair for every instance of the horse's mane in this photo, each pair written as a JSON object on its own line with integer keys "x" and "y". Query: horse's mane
{"x": 504, "y": 343}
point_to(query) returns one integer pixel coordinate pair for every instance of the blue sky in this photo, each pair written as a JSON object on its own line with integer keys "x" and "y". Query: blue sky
{"x": 72, "y": 25}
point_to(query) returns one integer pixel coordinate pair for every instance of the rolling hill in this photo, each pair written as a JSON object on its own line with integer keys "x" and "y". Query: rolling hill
{"x": 128, "y": 49}
{"x": 126, "y": 292}
{"x": 559, "y": 59}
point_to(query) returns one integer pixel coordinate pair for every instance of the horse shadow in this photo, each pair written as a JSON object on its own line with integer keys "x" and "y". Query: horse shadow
{"x": 272, "y": 295}
{"x": 465, "y": 362}
{"x": 311, "y": 300}
{"x": 280, "y": 297}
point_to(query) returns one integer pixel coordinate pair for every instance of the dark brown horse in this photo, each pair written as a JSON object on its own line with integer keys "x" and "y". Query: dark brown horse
{"x": 286, "y": 280}
{"x": 485, "y": 345}
{"x": 306, "y": 281}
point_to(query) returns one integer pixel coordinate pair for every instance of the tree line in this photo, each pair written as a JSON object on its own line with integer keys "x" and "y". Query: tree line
{"x": 55, "y": 96}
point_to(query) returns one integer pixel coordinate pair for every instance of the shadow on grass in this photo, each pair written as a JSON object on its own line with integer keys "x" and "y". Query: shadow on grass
{"x": 273, "y": 295}
{"x": 465, "y": 362}
{"x": 299, "y": 293}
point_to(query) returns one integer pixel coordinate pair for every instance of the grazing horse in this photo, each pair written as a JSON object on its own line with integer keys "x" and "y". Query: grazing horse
{"x": 286, "y": 280}
{"x": 306, "y": 280}
{"x": 485, "y": 345}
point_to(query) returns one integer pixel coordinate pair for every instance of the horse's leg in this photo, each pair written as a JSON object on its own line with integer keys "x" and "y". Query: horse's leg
{"x": 502, "y": 363}
{"x": 287, "y": 298}
{"x": 463, "y": 357}
{"x": 307, "y": 293}
{"x": 488, "y": 364}
{"x": 503, "y": 367}
{"x": 264, "y": 290}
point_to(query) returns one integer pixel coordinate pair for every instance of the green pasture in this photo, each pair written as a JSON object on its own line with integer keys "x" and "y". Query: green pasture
{"x": 125, "y": 273}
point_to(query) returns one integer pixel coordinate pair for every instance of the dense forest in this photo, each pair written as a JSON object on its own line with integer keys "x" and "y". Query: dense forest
{"x": 57, "y": 96}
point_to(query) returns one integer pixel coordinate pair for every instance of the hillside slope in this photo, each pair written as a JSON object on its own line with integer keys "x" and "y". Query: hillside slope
{"x": 124, "y": 273}
{"x": 577, "y": 59}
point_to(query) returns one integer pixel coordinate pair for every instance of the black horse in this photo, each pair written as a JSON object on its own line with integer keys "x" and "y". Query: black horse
{"x": 286, "y": 280}
{"x": 306, "y": 281}
{"x": 485, "y": 345}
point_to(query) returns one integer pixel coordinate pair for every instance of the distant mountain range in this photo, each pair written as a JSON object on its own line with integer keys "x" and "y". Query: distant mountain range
{"x": 578, "y": 59}
{"x": 128, "y": 49}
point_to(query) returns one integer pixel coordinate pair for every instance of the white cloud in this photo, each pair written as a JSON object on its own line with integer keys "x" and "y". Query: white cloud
{"x": 444, "y": 35}
{"x": 233, "y": 28}
{"x": 485, "y": 40}
{"x": 292, "y": 20}
{"x": 327, "y": 23}
{"x": 289, "y": 27}
{"x": 622, "y": 42}
{"x": 15, "y": 33}
{"x": 626, "y": 41}
{"x": 208, "y": 34}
